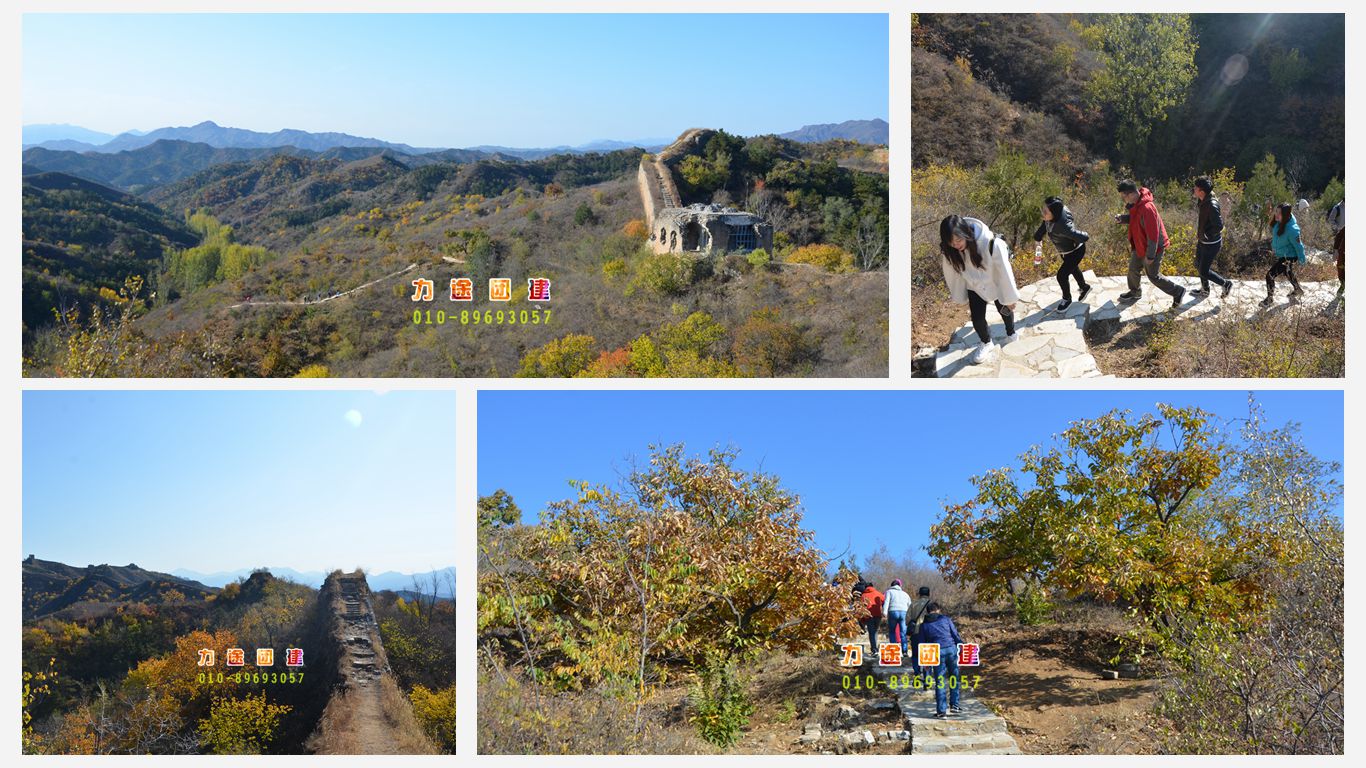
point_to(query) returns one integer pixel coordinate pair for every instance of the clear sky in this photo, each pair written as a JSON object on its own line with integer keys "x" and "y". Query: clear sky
{"x": 457, "y": 80}
{"x": 217, "y": 481}
{"x": 870, "y": 467}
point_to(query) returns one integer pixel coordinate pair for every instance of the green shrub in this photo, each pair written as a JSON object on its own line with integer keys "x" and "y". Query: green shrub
{"x": 758, "y": 258}
{"x": 1009, "y": 192}
{"x": 668, "y": 274}
{"x": 1032, "y": 606}
{"x": 720, "y": 707}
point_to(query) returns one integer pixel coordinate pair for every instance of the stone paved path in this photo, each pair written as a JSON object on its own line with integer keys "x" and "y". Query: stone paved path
{"x": 1053, "y": 344}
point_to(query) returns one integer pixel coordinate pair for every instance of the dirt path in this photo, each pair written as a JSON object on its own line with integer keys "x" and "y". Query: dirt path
{"x": 1046, "y": 682}
{"x": 325, "y": 299}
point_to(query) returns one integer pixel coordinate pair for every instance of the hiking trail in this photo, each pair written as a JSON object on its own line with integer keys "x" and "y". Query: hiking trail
{"x": 1052, "y": 345}
{"x": 975, "y": 731}
{"x": 325, "y": 299}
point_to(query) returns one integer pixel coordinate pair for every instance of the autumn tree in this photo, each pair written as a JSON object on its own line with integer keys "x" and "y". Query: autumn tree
{"x": 1148, "y": 65}
{"x": 1274, "y": 682}
{"x": 690, "y": 555}
{"x": 498, "y": 510}
{"x": 1139, "y": 511}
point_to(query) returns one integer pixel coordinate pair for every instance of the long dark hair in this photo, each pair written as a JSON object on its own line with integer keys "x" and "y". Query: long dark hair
{"x": 1286, "y": 215}
{"x": 957, "y": 225}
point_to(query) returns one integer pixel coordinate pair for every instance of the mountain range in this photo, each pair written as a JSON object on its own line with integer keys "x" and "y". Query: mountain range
{"x": 387, "y": 580}
{"x": 50, "y": 587}
{"x": 74, "y": 138}
{"x": 55, "y": 588}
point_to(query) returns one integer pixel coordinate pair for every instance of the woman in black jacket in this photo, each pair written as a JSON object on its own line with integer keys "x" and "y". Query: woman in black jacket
{"x": 1209, "y": 231}
{"x": 1071, "y": 245}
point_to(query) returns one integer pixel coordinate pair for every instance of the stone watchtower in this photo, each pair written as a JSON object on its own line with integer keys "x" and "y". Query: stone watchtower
{"x": 704, "y": 229}
{"x": 698, "y": 228}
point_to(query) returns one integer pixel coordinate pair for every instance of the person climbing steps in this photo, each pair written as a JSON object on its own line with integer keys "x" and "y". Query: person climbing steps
{"x": 1147, "y": 243}
{"x": 1071, "y": 244}
{"x": 1289, "y": 251}
{"x": 976, "y": 264}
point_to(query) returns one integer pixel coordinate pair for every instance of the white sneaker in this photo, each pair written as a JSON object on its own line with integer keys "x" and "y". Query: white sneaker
{"x": 1011, "y": 338}
{"x": 985, "y": 353}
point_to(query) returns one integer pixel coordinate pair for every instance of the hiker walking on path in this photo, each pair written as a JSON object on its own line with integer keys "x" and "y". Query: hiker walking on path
{"x": 938, "y": 628}
{"x": 1337, "y": 219}
{"x": 1289, "y": 251}
{"x": 1071, "y": 245}
{"x": 895, "y": 605}
{"x": 872, "y": 602}
{"x": 916, "y": 616}
{"x": 977, "y": 270}
{"x": 1147, "y": 243}
{"x": 1209, "y": 233}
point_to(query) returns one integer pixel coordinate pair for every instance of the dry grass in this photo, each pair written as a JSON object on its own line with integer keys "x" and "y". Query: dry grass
{"x": 519, "y": 716}
{"x": 348, "y": 725}
{"x": 1275, "y": 345}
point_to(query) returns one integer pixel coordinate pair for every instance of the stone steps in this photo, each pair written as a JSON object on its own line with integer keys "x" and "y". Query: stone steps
{"x": 1051, "y": 344}
{"x": 977, "y": 730}
{"x": 989, "y": 744}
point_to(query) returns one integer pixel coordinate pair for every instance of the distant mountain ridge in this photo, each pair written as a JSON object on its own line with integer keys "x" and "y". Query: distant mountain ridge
{"x": 223, "y": 137}
{"x": 387, "y": 580}
{"x": 50, "y": 587}
{"x": 73, "y": 138}
{"x": 55, "y": 588}
{"x": 863, "y": 131}
{"x": 40, "y": 133}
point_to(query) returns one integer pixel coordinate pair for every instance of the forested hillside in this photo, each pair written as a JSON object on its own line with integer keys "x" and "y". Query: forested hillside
{"x": 302, "y": 263}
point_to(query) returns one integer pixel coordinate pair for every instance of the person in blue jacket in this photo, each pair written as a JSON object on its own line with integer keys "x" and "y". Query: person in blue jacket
{"x": 1285, "y": 243}
{"x": 938, "y": 628}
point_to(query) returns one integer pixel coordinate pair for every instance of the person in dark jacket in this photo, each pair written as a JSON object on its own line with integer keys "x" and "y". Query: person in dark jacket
{"x": 938, "y": 628}
{"x": 1337, "y": 219}
{"x": 914, "y": 617}
{"x": 1071, "y": 245}
{"x": 1209, "y": 234}
{"x": 1147, "y": 243}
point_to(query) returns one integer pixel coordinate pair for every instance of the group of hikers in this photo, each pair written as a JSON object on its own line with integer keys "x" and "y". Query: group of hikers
{"x": 976, "y": 261}
{"x": 922, "y": 619}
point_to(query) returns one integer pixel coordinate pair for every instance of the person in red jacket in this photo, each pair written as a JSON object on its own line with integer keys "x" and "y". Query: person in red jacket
{"x": 1147, "y": 243}
{"x": 872, "y": 601}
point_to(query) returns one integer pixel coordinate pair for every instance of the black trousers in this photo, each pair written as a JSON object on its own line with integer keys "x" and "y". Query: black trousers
{"x": 978, "y": 307}
{"x": 1281, "y": 267}
{"x": 1071, "y": 267}
{"x": 1204, "y": 261}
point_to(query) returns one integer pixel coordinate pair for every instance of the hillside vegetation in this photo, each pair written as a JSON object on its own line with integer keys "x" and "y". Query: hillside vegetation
{"x": 1068, "y": 104}
{"x": 342, "y": 240}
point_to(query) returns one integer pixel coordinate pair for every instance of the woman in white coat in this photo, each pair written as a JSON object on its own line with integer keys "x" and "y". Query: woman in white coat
{"x": 977, "y": 270}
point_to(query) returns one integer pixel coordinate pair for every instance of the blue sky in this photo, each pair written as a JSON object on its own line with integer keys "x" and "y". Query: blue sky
{"x": 215, "y": 481}
{"x": 457, "y": 79}
{"x": 870, "y": 467}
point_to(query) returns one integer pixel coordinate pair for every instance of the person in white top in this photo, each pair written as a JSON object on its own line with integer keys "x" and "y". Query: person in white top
{"x": 895, "y": 604}
{"x": 977, "y": 270}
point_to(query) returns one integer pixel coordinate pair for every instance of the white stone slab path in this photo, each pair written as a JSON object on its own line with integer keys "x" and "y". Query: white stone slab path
{"x": 1052, "y": 345}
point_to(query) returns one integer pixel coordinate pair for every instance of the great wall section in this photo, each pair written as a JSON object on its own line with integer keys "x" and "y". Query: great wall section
{"x": 366, "y": 713}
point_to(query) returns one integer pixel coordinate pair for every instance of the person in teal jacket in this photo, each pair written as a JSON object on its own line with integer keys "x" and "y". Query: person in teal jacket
{"x": 1285, "y": 243}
